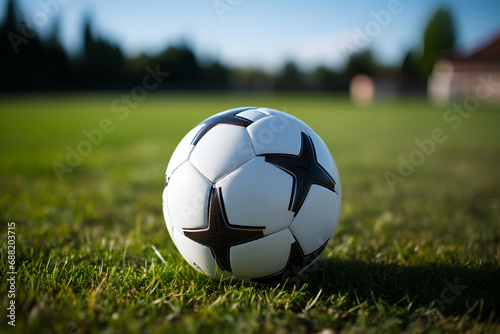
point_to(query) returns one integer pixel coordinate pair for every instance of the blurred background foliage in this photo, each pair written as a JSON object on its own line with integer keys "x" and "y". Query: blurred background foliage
{"x": 31, "y": 63}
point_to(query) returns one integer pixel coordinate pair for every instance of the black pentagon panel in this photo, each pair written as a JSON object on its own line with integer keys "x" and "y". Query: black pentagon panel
{"x": 226, "y": 118}
{"x": 297, "y": 261}
{"x": 305, "y": 170}
{"x": 220, "y": 235}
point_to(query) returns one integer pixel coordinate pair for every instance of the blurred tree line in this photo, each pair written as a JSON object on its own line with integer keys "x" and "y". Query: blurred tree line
{"x": 30, "y": 63}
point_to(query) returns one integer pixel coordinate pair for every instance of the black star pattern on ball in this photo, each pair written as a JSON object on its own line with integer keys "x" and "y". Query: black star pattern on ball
{"x": 305, "y": 170}
{"x": 297, "y": 261}
{"x": 229, "y": 118}
{"x": 220, "y": 235}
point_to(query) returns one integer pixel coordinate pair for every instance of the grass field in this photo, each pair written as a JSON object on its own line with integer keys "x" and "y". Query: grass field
{"x": 418, "y": 254}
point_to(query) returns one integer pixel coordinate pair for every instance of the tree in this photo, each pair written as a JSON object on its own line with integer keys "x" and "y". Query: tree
{"x": 103, "y": 62}
{"x": 20, "y": 51}
{"x": 439, "y": 36}
{"x": 361, "y": 63}
{"x": 180, "y": 61}
{"x": 215, "y": 75}
{"x": 411, "y": 80}
{"x": 290, "y": 77}
{"x": 55, "y": 72}
{"x": 324, "y": 78}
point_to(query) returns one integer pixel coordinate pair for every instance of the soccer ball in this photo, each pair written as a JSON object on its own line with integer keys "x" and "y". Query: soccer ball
{"x": 251, "y": 194}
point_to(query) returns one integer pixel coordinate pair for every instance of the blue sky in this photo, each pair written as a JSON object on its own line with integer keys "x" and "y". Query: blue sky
{"x": 264, "y": 33}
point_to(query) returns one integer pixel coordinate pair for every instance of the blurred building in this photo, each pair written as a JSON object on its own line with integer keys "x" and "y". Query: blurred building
{"x": 455, "y": 77}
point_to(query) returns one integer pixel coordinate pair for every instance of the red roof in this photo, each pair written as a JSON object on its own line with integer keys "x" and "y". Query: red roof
{"x": 490, "y": 52}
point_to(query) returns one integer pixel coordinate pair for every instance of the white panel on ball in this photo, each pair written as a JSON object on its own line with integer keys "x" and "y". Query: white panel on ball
{"x": 229, "y": 111}
{"x": 252, "y": 114}
{"x": 262, "y": 257}
{"x": 221, "y": 150}
{"x": 258, "y": 194}
{"x": 166, "y": 214}
{"x": 187, "y": 196}
{"x": 275, "y": 134}
{"x": 198, "y": 256}
{"x": 325, "y": 159}
{"x": 294, "y": 119}
{"x": 324, "y": 205}
{"x": 182, "y": 151}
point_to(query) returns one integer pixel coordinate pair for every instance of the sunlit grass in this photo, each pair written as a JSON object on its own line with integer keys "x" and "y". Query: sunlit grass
{"x": 85, "y": 243}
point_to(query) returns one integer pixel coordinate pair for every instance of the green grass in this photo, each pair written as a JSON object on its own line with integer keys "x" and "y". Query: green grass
{"x": 84, "y": 245}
